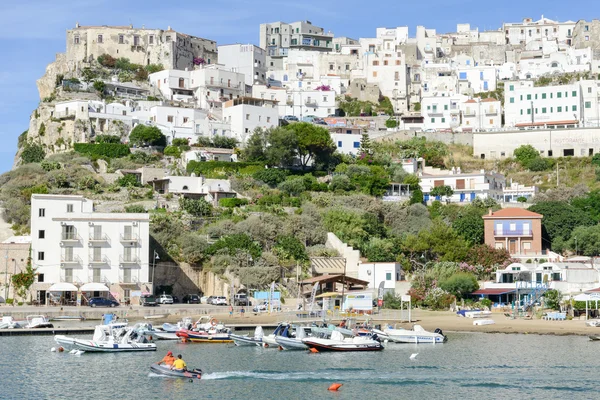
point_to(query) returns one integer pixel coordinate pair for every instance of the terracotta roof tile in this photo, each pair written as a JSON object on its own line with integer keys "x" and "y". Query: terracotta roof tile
{"x": 512, "y": 213}
{"x": 489, "y": 99}
{"x": 470, "y": 101}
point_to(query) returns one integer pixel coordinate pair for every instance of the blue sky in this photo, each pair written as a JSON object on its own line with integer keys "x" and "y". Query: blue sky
{"x": 33, "y": 31}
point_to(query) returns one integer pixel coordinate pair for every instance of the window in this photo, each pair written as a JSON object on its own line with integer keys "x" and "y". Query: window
{"x": 76, "y": 39}
{"x": 574, "y": 93}
{"x": 169, "y": 118}
{"x": 511, "y": 87}
{"x": 41, "y": 234}
{"x": 589, "y": 90}
{"x": 536, "y": 96}
{"x": 151, "y": 39}
{"x": 122, "y": 39}
{"x": 559, "y": 109}
{"x": 543, "y": 95}
{"x": 512, "y": 99}
{"x": 433, "y": 120}
{"x": 40, "y": 256}
{"x": 40, "y": 278}
{"x": 69, "y": 208}
{"x": 558, "y": 95}
{"x": 521, "y": 98}
{"x": 574, "y": 108}
{"x": 587, "y": 38}
{"x": 491, "y": 122}
{"x": 388, "y": 276}
{"x": 247, "y": 117}
{"x": 543, "y": 110}
{"x": 347, "y": 67}
{"x": 331, "y": 67}
{"x": 529, "y": 111}
{"x": 99, "y": 38}
{"x": 268, "y": 119}
{"x": 588, "y": 104}
{"x": 528, "y": 97}
{"x": 42, "y": 212}
{"x": 375, "y": 63}
{"x": 397, "y": 62}
{"x": 521, "y": 111}
{"x": 445, "y": 106}
{"x": 356, "y": 145}
{"x": 374, "y": 74}
{"x": 586, "y": 28}
{"x": 339, "y": 143}
{"x": 385, "y": 62}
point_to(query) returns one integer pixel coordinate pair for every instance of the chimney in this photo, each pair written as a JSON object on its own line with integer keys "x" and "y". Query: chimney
{"x": 169, "y": 27}
{"x": 76, "y": 24}
{"x": 490, "y": 212}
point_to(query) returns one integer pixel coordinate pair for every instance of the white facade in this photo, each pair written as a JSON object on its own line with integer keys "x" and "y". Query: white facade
{"x": 278, "y": 37}
{"x": 246, "y": 114}
{"x": 247, "y": 59}
{"x": 442, "y": 112}
{"x": 481, "y": 115}
{"x": 375, "y": 273}
{"x": 543, "y": 29}
{"x": 173, "y": 84}
{"x": 71, "y": 243}
{"x": 514, "y": 190}
{"x": 466, "y": 187}
{"x": 347, "y": 143}
{"x": 476, "y": 79}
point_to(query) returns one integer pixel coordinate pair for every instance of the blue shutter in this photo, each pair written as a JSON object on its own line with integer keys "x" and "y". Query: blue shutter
{"x": 339, "y": 143}
{"x": 462, "y": 75}
{"x": 356, "y": 145}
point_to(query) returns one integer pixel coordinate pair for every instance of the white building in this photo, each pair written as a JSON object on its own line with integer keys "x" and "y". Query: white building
{"x": 174, "y": 84}
{"x": 522, "y": 33}
{"x": 247, "y": 59}
{"x": 466, "y": 187}
{"x": 93, "y": 253}
{"x": 481, "y": 115}
{"x": 247, "y": 113}
{"x": 375, "y": 273}
{"x": 544, "y": 106}
{"x": 442, "y": 112}
{"x": 278, "y": 37}
{"x": 476, "y": 79}
{"x": 514, "y": 190}
{"x": 347, "y": 143}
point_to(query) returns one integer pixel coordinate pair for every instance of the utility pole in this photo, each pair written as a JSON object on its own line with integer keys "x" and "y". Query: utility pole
{"x": 556, "y": 174}
{"x": 6, "y": 275}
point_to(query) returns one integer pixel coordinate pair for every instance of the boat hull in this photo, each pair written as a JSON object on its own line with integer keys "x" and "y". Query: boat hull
{"x": 102, "y": 347}
{"x": 240, "y": 340}
{"x": 203, "y": 337}
{"x": 343, "y": 347}
{"x": 165, "y": 335}
{"x": 164, "y": 370}
{"x": 291, "y": 344}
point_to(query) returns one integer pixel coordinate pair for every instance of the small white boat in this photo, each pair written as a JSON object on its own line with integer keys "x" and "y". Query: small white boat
{"x": 478, "y": 314}
{"x": 109, "y": 338}
{"x": 294, "y": 343}
{"x": 185, "y": 323}
{"x": 593, "y": 323}
{"x": 38, "y": 321}
{"x": 270, "y": 340}
{"x": 337, "y": 342}
{"x": 246, "y": 340}
{"x": 67, "y": 318}
{"x": 415, "y": 335}
{"x": 484, "y": 322}
{"x": 8, "y": 322}
{"x": 162, "y": 335}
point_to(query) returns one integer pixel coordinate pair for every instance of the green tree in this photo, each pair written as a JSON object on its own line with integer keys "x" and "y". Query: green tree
{"x": 525, "y": 153}
{"x": 107, "y": 139}
{"x": 416, "y": 197}
{"x": 128, "y": 180}
{"x": 24, "y": 280}
{"x": 231, "y": 244}
{"x": 439, "y": 243}
{"x": 366, "y": 147}
{"x": 224, "y": 142}
{"x": 469, "y": 225}
{"x": 142, "y": 136}
{"x": 172, "y": 151}
{"x": 271, "y": 176}
{"x": 100, "y": 87}
{"x": 256, "y": 146}
{"x": 589, "y": 203}
{"x": 289, "y": 248}
{"x": 282, "y": 148}
{"x": 196, "y": 207}
{"x": 390, "y": 123}
{"x": 442, "y": 191}
{"x": 585, "y": 240}
{"x": 552, "y": 299}
{"x": 32, "y": 153}
{"x": 294, "y": 186}
{"x": 314, "y": 143}
{"x": 560, "y": 218}
{"x": 460, "y": 284}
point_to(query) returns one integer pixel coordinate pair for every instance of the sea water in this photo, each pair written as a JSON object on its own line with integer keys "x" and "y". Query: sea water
{"x": 468, "y": 366}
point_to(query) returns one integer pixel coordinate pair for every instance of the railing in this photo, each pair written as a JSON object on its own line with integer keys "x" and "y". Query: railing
{"x": 99, "y": 260}
{"x": 64, "y": 278}
{"x": 99, "y": 238}
{"x": 133, "y": 238}
{"x": 128, "y": 259}
{"x": 128, "y": 279}
{"x": 311, "y": 102}
{"x": 519, "y": 232}
{"x": 70, "y": 237}
{"x": 223, "y": 84}
{"x": 491, "y": 112}
{"x": 73, "y": 260}
{"x": 63, "y": 114}
{"x": 98, "y": 279}
{"x": 435, "y": 112}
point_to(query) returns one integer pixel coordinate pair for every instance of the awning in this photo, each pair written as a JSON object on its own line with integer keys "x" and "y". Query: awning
{"x": 94, "y": 287}
{"x": 493, "y": 292}
{"x": 62, "y": 287}
{"x": 328, "y": 294}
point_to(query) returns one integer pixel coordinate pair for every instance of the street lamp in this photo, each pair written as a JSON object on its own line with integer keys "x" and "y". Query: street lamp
{"x": 156, "y": 257}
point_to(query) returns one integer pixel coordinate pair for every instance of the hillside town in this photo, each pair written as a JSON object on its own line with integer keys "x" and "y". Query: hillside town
{"x": 162, "y": 163}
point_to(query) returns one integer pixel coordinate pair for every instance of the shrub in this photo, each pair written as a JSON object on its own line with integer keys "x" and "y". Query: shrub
{"x": 391, "y": 123}
{"x": 109, "y": 150}
{"x": 231, "y": 203}
{"x": 180, "y": 142}
{"x": 22, "y": 139}
{"x": 293, "y": 187}
{"x": 538, "y": 164}
{"x": 42, "y": 130}
{"x": 143, "y": 135}
{"x": 152, "y": 98}
{"x": 596, "y": 159}
{"x": 194, "y": 207}
{"x": 553, "y": 298}
{"x": 460, "y": 284}
{"x": 522, "y": 199}
{"x": 525, "y": 153}
{"x": 141, "y": 75}
{"x": 33, "y": 153}
{"x": 99, "y": 86}
{"x": 173, "y": 151}
{"x": 135, "y": 208}
{"x": 417, "y": 107}
{"x": 107, "y": 139}
{"x": 107, "y": 60}
{"x": 224, "y": 142}
{"x": 128, "y": 180}
{"x": 50, "y": 166}
{"x": 152, "y": 68}
{"x": 271, "y": 176}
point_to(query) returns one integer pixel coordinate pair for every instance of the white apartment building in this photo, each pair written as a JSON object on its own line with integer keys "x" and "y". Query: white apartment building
{"x": 246, "y": 114}
{"x": 556, "y": 62}
{"x": 278, "y": 37}
{"x": 347, "y": 143}
{"x": 442, "y": 112}
{"x": 375, "y": 273}
{"x": 174, "y": 84}
{"x": 556, "y": 106}
{"x": 90, "y": 254}
{"x": 481, "y": 115}
{"x": 466, "y": 186}
{"x": 475, "y": 79}
{"x": 522, "y": 33}
{"x": 246, "y": 59}
{"x": 513, "y": 190}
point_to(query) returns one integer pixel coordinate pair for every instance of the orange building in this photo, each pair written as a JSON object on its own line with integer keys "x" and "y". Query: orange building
{"x": 515, "y": 229}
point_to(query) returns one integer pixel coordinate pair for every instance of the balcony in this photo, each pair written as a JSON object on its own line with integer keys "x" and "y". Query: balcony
{"x": 128, "y": 279}
{"x": 69, "y": 261}
{"x": 98, "y": 278}
{"x": 469, "y": 113}
{"x": 98, "y": 260}
{"x": 64, "y": 114}
{"x": 225, "y": 85}
{"x": 102, "y": 238}
{"x": 435, "y": 113}
{"x": 514, "y": 233}
{"x": 126, "y": 260}
{"x": 130, "y": 238}
{"x": 70, "y": 237}
{"x": 311, "y": 103}
{"x": 491, "y": 112}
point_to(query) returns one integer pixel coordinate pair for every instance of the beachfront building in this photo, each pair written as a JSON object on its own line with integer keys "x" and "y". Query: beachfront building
{"x": 15, "y": 251}
{"x": 377, "y": 272}
{"x": 466, "y": 186}
{"x": 517, "y": 230}
{"x": 79, "y": 253}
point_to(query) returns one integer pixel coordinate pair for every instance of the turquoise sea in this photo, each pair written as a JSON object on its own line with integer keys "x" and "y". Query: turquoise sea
{"x": 468, "y": 366}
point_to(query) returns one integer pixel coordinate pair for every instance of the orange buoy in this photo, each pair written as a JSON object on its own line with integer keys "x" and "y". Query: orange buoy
{"x": 335, "y": 387}
{"x": 61, "y": 349}
{"x": 313, "y": 350}
{"x": 265, "y": 345}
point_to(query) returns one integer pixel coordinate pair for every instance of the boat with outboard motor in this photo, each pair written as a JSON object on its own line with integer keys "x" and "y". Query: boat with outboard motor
{"x": 206, "y": 330}
{"x": 271, "y": 339}
{"x": 185, "y": 323}
{"x": 246, "y": 340}
{"x": 116, "y": 337}
{"x": 337, "y": 342}
{"x": 195, "y": 373}
{"x": 415, "y": 335}
{"x": 295, "y": 342}
{"x": 38, "y": 321}
{"x": 8, "y": 322}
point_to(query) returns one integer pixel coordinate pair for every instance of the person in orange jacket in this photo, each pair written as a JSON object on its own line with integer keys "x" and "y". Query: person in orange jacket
{"x": 168, "y": 360}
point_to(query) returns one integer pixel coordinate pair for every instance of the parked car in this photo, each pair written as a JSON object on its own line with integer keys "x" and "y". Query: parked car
{"x": 219, "y": 301}
{"x": 102, "y": 302}
{"x": 263, "y": 307}
{"x": 175, "y": 299}
{"x": 204, "y": 299}
{"x": 321, "y": 122}
{"x": 309, "y": 118}
{"x": 241, "y": 300}
{"x": 210, "y": 299}
{"x": 165, "y": 299}
{"x": 290, "y": 118}
{"x": 191, "y": 299}
{"x": 148, "y": 300}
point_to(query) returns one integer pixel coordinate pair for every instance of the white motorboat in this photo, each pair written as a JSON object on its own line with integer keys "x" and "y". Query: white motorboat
{"x": 185, "y": 323}
{"x": 8, "y": 322}
{"x": 294, "y": 343}
{"x": 484, "y": 322}
{"x": 246, "y": 340}
{"x": 162, "y": 335}
{"x": 109, "y": 338}
{"x": 415, "y": 335}
{"x": 38, "y": 321}
{"x": 337, "y": 342}
{"x": 270, "y": 340}
{"x": 478, "y": 314}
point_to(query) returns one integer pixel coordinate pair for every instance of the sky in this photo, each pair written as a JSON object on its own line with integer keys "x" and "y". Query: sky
{"x": 33, "y": 31}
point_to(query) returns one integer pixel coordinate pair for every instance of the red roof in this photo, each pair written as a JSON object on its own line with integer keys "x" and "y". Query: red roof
{"x": 493, "y": 291}
{"x": 489, "y": 99}
{"x": 592, "y": 290}
{"x": 470, "y": 101}
{"x": 512, "y": 213}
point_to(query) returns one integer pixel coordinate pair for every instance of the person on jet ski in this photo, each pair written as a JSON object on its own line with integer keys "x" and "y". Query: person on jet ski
{"x": 179, "y": 364}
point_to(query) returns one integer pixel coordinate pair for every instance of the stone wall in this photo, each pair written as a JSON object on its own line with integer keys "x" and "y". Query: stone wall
{"x": 186, "y": 279}
{"x": 448, "y": 138}
{"x": 352, "y": 256}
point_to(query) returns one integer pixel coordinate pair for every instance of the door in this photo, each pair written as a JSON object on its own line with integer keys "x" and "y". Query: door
{"x": 526, "y": 229}
{"x": 96, "y": 275}
{"x": 462, "y": 197}
{"x": 69, "y": 275}
{"x": 472, "y": 196}
{"x": 538, "y": 277}
{"x": 128, "y": 232}
{"x": 97, "y": 232}
{"x": 127, "y": 275}
{"x": 68, "y": 232}
{"x": 512, "y": 246}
